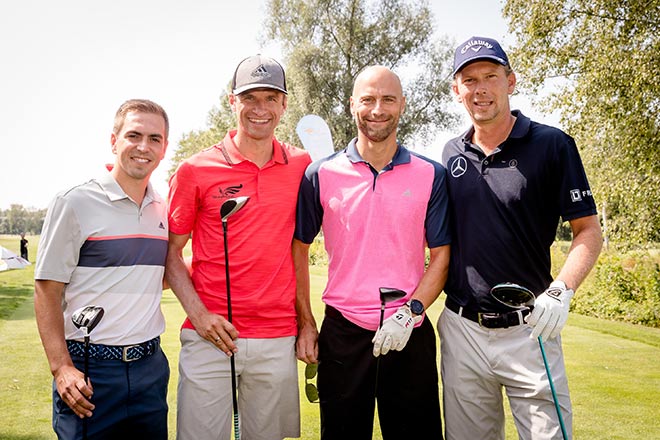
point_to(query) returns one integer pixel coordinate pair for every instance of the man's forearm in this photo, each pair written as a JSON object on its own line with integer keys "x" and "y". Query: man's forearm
{"x": 50, "y": 323}
{"x": 178, "y": 278}
{"x": 434, "y": 278}
{"x": 583, "y": 254}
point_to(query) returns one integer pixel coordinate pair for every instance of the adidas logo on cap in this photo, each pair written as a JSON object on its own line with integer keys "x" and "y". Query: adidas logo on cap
{"x": 258, "y": 72}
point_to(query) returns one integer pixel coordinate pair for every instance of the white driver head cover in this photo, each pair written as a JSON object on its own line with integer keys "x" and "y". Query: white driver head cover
{"x": 315, "y": 136}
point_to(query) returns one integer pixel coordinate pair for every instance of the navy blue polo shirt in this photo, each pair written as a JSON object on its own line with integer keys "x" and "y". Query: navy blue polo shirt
{"x": 506, "y": 208}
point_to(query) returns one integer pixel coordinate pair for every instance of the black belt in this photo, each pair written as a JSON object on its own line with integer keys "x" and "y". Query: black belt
{"x": 489, "y": 320}
{"x": 126, "y": 353}
{"x": 332, "y": 312}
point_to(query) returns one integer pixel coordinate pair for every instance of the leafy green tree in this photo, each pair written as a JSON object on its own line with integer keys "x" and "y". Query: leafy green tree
{"x": 35, "y": 221}
{"x": 18, "y": 219}
{"x": 326, "y": 43}
{"x": 603, "y": 58}
{"x": 15, "y": 219}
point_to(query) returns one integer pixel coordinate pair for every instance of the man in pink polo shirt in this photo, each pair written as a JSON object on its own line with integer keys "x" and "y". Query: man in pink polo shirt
{"x": 248, "y": 162}
{"x": 379, "y": 205}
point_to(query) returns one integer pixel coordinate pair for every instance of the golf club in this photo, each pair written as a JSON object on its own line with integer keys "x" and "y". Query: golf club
{"x": 86, "y": 319}
{"x": 519, "y": 297}
{"x": 387, "y": 294}
{"x": 315, "y": 136}
{"x": 229, "y": 208}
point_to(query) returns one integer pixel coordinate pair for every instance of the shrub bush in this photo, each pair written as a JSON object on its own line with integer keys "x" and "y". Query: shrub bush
{"x": 622, "y": 287}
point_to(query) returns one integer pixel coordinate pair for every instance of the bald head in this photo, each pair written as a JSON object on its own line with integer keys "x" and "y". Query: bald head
{"x": 378, "y": 75}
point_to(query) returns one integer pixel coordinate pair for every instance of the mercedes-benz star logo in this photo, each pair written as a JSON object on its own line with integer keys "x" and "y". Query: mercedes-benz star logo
{"x": 459, "y": 167}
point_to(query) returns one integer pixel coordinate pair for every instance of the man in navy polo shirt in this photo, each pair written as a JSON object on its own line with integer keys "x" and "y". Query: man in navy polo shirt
{"x": 510, "y": 180}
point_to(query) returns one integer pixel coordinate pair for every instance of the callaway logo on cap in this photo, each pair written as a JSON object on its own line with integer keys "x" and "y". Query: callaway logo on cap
{"x": 479, "y": 48}
{"x": 258, "y": 72}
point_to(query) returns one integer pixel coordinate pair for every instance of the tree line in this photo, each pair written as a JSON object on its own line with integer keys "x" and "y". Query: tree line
{"x": 20, "y": 220}
{"x": 602, "y": 57}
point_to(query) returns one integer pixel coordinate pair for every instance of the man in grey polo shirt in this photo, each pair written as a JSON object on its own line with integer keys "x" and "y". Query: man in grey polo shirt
{"x": 104, "y": 243}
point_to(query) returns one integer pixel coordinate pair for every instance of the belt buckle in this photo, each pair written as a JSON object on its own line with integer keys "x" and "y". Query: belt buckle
{"x": 124, "y": 353}
{"x": 483, "y": 322}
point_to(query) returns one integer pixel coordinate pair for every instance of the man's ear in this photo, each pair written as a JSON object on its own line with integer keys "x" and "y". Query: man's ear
{"x": 454, "y": 88}
{"x": 512, "y": 82}
{"x": 232, "y": 102}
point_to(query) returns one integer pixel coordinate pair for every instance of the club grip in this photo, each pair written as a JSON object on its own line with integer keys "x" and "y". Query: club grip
{"x": 237, "y": 432}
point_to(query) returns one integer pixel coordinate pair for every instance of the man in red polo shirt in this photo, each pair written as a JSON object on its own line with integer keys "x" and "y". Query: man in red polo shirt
{"x": 248, "y": 162}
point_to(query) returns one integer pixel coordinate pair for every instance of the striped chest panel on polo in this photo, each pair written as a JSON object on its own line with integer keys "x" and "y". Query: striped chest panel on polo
{"x": 132, "y": 250}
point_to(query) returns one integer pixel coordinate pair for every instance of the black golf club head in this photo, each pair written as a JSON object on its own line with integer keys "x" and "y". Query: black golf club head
{"x": 87, "y": 318}
{"x": 232, "y": 206}
{"x": 513, "y": 295}
{"x": 388, "y": 294}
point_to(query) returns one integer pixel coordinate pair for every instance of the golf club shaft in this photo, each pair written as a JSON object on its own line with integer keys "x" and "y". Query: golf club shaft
{"x": 224, "y": 231}
{"x": 552, "y": 388}
{"x": 86, "y": 376}
{"x": 237, "y": 431}
{"x": 234, "y": 401}
{"x": 380, "y": 324}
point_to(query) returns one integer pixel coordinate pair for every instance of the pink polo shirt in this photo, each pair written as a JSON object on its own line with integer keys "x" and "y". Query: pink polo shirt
{"x": 263, "y": 286}
{"x": 375, "y": 226}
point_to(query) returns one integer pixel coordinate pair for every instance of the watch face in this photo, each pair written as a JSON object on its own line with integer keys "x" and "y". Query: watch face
{"x": 416, "y": 307}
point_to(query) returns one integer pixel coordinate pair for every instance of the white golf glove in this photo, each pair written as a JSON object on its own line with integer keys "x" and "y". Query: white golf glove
{"x": 395, "y": 332}
{"x": 550, "y": 311}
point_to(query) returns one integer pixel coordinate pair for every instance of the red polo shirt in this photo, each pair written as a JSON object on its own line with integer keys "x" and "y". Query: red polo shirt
{"x": 263, "y": 286}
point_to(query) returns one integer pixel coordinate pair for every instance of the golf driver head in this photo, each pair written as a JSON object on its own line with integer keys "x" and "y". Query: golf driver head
{"x": 87, "y": 318}
{"x": 232, "y": 206}
{"x": 513, "y": 295}
{"x": 388, "y": 294}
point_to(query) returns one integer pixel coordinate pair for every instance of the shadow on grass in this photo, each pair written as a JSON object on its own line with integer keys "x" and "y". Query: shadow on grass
{"x": 11, "y": 297}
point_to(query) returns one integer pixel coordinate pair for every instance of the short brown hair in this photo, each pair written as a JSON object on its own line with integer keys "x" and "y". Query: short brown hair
{"x": 139, "y": 105}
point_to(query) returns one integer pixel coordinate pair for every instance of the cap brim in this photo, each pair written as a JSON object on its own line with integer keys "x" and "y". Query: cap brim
{"x": 495, "y": 59}
{"x": 248, "y": 87}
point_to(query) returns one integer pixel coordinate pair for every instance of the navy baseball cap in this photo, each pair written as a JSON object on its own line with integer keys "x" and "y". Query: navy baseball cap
{"x": 258, "y": 72}
{"x": 479, "y": 48}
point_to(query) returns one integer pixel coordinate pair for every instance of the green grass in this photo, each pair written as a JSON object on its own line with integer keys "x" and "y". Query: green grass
{"x": 612, "y": 367}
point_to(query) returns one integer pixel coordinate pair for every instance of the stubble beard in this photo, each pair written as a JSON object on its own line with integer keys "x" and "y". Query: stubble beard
{"x": 377, "y": 135}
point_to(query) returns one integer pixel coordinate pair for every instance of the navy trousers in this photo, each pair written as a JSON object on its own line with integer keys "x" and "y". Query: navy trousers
{"x": 130, "y": 400}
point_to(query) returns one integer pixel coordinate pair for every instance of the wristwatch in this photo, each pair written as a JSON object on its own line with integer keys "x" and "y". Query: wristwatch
{"x": 416, "y": 306}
